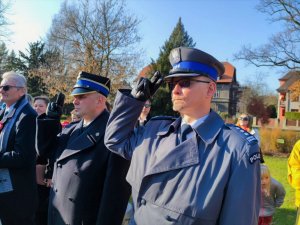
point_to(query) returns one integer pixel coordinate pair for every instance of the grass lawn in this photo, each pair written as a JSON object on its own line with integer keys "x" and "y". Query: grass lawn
{"x": 286, "y": 214}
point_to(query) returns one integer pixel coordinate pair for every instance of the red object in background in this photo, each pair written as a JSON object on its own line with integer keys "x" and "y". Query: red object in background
{"x": 65, "y": 123}
{"x": 1, "y": 126}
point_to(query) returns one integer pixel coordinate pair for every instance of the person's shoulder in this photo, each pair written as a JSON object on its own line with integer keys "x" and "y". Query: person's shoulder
{"x": 240, "y": 133}
{"x": 71, "y": 125}
{"x": 275, "y": 182}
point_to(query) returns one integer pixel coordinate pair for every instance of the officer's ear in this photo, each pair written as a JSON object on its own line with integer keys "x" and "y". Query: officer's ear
{"x": 212, "y": 87}
{"x": 101, "y": 99}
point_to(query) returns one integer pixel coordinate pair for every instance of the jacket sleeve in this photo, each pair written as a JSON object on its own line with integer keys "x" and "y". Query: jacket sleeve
{"x": 23, "y": 153}
{"x": 242, "y": 196}
{"x": 294, "y": 166}
{"x": 120, "y": 136}
{"x": 279, "y": 193}
{"x": 46, "y": 135}
{"x": 116, "y": 192}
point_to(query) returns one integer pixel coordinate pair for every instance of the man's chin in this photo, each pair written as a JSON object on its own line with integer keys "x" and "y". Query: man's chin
{"x": 177, "y": 108}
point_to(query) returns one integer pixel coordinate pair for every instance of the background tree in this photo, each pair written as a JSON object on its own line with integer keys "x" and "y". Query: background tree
{"x": 179, "y": 37}
{"x": 257, "y": 100}
{"x": 3, "y": 57}
{"x": 39, "y": 65}
{"x": 295, "y": 91}
{"x": 97, "y": 36}
{"x": 282, "y": 49}
{"x": 4, "y": 23}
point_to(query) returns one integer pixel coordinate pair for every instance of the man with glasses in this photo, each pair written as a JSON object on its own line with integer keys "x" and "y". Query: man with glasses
{"x": 18, "y": 196}
{"x": 191, "y": 170}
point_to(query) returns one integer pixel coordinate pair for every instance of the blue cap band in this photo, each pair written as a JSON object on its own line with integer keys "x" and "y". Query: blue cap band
{"x": 92, "y": 85}
{"x": 195, "y": 67}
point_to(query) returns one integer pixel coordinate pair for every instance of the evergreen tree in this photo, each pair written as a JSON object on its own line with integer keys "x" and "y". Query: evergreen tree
{"x": 31, "y": 61}
{"x": 3, "y": 57}
{"x": 11, "y": 62}
{"x": 178, "y": 38}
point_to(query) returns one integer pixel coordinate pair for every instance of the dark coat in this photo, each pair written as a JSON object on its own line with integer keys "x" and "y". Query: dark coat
{"x": 89, "y": 185}
{"x": 19, "y": 158}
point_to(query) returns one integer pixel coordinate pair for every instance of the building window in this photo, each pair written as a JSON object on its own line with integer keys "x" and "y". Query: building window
{"x": 217, "y": 94}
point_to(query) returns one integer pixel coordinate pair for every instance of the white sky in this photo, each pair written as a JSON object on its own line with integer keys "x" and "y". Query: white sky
{"x": 219, "y": 27}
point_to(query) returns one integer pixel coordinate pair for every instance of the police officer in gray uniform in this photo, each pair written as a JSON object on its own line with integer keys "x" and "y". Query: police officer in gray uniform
{"x": 191, "y": 170}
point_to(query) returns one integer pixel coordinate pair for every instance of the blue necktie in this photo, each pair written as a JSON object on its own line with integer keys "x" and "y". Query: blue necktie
{"x": 185, "y": 130}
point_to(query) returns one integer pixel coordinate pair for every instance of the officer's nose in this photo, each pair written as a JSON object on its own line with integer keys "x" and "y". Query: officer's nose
{"x": 176, "y": 88}
{"x": 75, "y": 101}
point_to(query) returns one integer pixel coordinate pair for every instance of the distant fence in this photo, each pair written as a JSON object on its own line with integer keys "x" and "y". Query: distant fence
{"x": 276, "y": 123}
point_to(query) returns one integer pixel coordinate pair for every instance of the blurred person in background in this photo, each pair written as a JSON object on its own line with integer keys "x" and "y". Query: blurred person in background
{"x": 294, "y": 176}
{"x": 245, "y": 121}
{"x": 272, "y": 196}
{"x": 43, "y": 169}
{"x": 144, "y": 116}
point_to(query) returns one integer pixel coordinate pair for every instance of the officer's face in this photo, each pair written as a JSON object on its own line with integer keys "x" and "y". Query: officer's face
{"x": 88, "y": 104}
{"x": 190, "y": 95}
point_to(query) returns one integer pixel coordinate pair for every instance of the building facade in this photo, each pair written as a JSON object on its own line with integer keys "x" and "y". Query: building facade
{"x": 285, "y": 101}
{"x": 227, "y": 94}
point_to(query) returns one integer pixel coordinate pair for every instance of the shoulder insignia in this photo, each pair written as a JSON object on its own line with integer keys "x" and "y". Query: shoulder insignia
{"x": 249, "y": 137}
{"x": 163, "y": 118}
{"x": 254, "y": 157}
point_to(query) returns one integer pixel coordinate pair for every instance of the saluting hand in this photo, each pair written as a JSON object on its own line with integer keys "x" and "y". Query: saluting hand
{"x": 145, "y": 88}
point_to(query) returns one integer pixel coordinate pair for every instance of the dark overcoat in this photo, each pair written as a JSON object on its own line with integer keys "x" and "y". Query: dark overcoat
{"x": 19, "y": 158}
{"x": 89, "y": 185}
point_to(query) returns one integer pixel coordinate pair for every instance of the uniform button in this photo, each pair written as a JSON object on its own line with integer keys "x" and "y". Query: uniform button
{"x": 59, "y": 165}
{"x": 143, "y": 202}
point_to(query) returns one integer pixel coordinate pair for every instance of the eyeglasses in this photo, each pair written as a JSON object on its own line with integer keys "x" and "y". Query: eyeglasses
{"x": 184, "y": 83}
{"x": 147, "y": 105}
{"x": 244, "y": 118}
{"x": 7, "y": 87}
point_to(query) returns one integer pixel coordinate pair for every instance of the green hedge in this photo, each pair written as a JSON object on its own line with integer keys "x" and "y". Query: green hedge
{"x": 292, "y": 115}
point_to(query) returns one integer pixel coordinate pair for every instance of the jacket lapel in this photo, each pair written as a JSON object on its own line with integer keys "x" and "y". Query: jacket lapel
{"x": 88, "y": 138}
{"x": 170, "y": 155}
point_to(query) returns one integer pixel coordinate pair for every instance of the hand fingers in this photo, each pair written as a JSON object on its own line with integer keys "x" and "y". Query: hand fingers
{"x": 156, "y": 77}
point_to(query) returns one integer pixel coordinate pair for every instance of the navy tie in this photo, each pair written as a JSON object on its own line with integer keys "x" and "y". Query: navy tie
{"x": 185, "y": 130}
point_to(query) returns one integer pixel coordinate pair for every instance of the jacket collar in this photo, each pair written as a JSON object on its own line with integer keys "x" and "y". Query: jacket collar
{"x": 207, "y": 131}
{"x": 88, "y": 138}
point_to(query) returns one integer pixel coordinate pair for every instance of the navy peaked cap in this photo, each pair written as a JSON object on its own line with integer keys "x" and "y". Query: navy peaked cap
{"x": 89, "y": 83}
{"x": 191, "y": 62}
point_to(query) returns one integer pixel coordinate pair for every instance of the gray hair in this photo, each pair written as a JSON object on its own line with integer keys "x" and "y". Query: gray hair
{"x": 19, "y": 79}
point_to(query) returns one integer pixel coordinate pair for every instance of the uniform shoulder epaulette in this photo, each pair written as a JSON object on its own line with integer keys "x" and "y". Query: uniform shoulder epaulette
{"x": 163, "y": 118}
{"x": 241, "y": 132}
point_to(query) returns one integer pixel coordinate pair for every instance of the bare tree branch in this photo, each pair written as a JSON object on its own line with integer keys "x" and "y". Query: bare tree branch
{"x": 282, "y": 49}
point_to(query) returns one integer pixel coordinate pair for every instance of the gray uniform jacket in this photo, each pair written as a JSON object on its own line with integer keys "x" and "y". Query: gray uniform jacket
{"x": 89, "y": 186}
{"x": 212, "y": 178}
